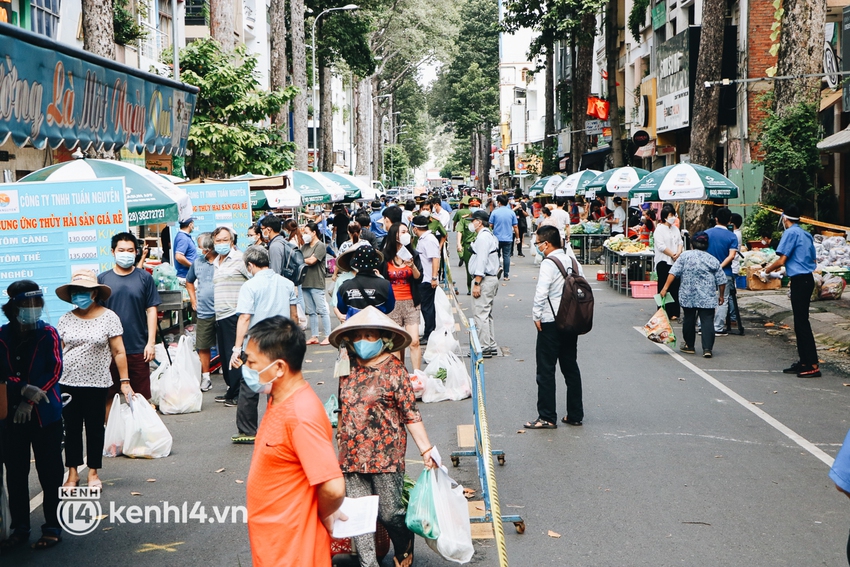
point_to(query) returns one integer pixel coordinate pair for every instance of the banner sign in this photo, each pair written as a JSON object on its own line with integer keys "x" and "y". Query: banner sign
{"x": 221, "y": 204}
{"x": 52, "y": 94}
{"x": 845, "y": 57}
{"x": 48, "y": 229}
{"x": 672, "y": 103}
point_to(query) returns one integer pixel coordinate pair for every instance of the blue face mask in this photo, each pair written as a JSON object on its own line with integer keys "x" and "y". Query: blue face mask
{"x": 29, "y": 315}
{"x": 252, "y": 379}
{"x": 125, "y": 259}
{"x": 367, "y": 350}
{"x": 82, "y": 300}
{"x": 222, "y": 249}
{"x": 473, "y": 209}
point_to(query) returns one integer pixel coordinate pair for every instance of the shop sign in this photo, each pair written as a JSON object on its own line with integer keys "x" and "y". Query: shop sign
{"x": 221, "y": 204}
{"x": 49, "y": 229}
{"x": 159, "y": 163}
{"x": 64, "y": 96}
{"x": 641, "y": 138}
{"x": 659, "y": 15}
{"x": 672, "y": 104}
{"x": 845, "y": 59}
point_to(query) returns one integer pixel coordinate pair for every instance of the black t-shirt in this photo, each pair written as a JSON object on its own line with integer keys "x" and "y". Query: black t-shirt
{"x": 340, "y": 223}
{"x": 131, "y": 296}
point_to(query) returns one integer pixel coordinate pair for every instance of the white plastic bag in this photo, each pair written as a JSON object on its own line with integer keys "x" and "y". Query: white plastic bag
{"x": 302, "y": 317}
{"x": 455, "y": 540}
{"x": 444, "y": 318}
{"x": 417, "y": 380}
{"x": 113, "y": 437}
{"x": 157, "y": 380}
{"x": 434, "y": 390}
{"x": 440, "y": 342}
{"x": 146, "y": 437}
{"x": 457, "y": 385}
{"x": 179, "y": 390}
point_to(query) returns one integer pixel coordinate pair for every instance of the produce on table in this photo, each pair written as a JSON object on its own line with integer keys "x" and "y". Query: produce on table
{"x": 620, "y": 243}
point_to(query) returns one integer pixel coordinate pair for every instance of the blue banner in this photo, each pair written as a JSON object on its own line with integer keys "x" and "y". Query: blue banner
{"x": 52, "y": 94}
{"x": 75, "y": 234}
{"x": 221, "y": 204}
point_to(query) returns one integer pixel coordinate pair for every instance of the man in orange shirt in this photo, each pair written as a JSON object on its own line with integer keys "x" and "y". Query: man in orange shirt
{"x": 295, "y": 486}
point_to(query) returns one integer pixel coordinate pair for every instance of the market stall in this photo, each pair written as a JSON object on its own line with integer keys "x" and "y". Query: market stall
{"x": 627, "y": 261}
{"x": 315, "y": 188}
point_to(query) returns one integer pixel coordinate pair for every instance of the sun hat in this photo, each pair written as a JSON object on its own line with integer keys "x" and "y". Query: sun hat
{"x": 365, "y": 259}
{"x": 343, "y": 261}
{"x": 83, "y": 279}
{"x": 372, "y": 318}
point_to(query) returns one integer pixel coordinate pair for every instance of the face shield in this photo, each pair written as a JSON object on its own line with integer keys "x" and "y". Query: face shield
{"x": 31, "y": 309}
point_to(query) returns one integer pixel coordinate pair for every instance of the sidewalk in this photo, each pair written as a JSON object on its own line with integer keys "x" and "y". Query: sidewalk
{"x": 830, "y": 319}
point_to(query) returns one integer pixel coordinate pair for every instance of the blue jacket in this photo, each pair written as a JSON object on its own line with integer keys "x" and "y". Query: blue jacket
{"x": 37, "y": 361}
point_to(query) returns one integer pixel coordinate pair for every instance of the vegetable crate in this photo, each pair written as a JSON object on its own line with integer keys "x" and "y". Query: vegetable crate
{"x": 644, "y": 290}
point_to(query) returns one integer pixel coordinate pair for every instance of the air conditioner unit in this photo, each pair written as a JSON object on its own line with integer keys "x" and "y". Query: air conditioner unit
{"x": 519, "y": 101}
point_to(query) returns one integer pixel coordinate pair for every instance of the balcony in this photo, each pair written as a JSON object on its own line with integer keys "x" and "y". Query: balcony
{"x": 197, "y": 12}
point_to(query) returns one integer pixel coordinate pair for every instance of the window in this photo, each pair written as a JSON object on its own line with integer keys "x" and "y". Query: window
{"x": 45, "y": 17}
{"x": 164, "y": 20}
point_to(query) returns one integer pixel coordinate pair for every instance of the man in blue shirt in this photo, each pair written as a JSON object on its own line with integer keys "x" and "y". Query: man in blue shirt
{"x": 797, "y": 253}
{"x": 723, "y": 245}
{"x": 377, "y": 226}
{"x": 184, "y": 248}
{"x": 503, "y": 222}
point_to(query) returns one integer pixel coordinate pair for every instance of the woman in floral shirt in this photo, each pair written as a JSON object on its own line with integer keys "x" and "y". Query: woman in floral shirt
{"x": 376, "y": 403}
{"x": 701, "y": 277}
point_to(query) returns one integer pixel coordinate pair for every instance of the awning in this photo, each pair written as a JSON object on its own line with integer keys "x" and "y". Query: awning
{"x": 838, "y": 142}
{"x": 275, "y": 198}
{"x": 646, "y": 151}
{"x": 56, "y": 94}
{"x": 595, "y": 159}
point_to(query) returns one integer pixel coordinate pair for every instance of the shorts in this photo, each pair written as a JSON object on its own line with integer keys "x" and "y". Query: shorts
{"x": 205, "y": 333}
{"x": 139, "y": 373}
{"x": 405, "y": 313}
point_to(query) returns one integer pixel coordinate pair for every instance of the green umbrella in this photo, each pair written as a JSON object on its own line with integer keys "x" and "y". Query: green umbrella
{"x": 576, "y": 183}
{"x": 617, "y": 181}
{"x": 352, "y": 191}
{"x": 275, "y": 198}
{"x": 545, "y": 185}
{"x": 684, "y": 182}
{"x": 315, "y": 188}
{"x": 150, "y": 198}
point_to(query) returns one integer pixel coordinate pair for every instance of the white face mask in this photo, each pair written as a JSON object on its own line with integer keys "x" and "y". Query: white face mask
{"x": 671, "y": 220}
{"x": 308, "y": 238}
{"x": 471, "y": 227}
{"x": 404, "y": 238}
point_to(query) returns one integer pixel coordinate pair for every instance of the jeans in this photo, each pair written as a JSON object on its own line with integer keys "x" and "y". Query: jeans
{"x": 87, "y": 406}
{"x": 505, "y": 250}
{"x": 225, "y": 330}
{"x": 557, "y": 347}
{"x": 689, "y": 331}
{"x": 426, "y": 305}
{"x": 662, "y": 269}
{"x": 46, "y": 445}
{"x": 721, "y": 310}
{"x": 316, "y": 306}
{"x": 802, "y": 287}
{"x": 391, "y": 512}
{"x": 482, "y": 310}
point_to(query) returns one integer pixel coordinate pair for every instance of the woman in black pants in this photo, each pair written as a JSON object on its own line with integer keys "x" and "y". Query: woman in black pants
{"x": 668, "y": 248}
{"x": 91, "y": 339}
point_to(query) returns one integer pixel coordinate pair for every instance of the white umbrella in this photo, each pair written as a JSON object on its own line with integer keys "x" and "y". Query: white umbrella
{"x": 576, "y": 181}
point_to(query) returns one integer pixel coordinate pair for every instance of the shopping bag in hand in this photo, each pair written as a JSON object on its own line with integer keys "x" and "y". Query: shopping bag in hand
{"x": 179, "y": 389}
{"x": 331, "y": 407}
{"x": 658, "y": 329}
{"x": 455, "y": 540}
{"x": 113, "y": 437}
{"x": 421, "y": 515}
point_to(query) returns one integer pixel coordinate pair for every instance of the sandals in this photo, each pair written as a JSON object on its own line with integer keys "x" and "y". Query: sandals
{"x": 50, "y": 537}
{"x": 96, "y": 483}
{"x": 540, "y": 424}
{"x": 325, "y": 342}
{"x": 569, "y": 421}
{"x": 17, "y": 539}
{"x": 406, "y": 557}
{"x": 71, "y": 483}
{"x": 313, "y": 341}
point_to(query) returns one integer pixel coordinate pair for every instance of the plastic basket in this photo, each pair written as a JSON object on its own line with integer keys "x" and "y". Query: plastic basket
{"x": 741, "y": 282}
{"x": 601, "y": 276}
{"x": 644, "y": 290}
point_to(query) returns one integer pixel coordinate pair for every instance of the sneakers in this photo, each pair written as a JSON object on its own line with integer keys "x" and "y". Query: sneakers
{"x": 721, "y": 333}
{"x": 793, "y": 369}
{"x": 231, "y": 402}
{"x": 809, "y": 372}
{"x": 243, "y": 439}
{"x": 206, "y": 384}
{"x": 706, "y": 354}
{"x": 687, "y": 349}
{"x": 221, "y": 399}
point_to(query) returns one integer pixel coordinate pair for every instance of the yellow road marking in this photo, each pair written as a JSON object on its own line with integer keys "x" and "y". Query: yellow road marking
{"x": 154, "y": 547}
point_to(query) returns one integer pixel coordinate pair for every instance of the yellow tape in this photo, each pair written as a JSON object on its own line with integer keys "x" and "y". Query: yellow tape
{"x": 811, "y": 221}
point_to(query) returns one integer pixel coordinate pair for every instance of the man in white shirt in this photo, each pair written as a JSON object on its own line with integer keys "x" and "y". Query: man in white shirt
{"x": 441, "y": 214}
{"x": 554, "y": 346}
{"x": 618, "y": 223}
{"x": 484, "y": 267}
{"x": 429, "y": 252}
{"x": 561, "y": 218}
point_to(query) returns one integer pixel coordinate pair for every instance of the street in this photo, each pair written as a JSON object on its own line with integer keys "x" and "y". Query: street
{"x": 671, "y": 466}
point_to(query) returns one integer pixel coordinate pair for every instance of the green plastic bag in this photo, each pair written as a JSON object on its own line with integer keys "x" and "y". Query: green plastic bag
{"x": 330, "y": 408}
{"x": 421, "y": 514}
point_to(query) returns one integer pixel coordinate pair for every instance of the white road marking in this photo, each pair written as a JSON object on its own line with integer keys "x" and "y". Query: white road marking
{"x": 761, "y": 414}
{"x": 748, "y": 371}
{"x": 38, "y": 499}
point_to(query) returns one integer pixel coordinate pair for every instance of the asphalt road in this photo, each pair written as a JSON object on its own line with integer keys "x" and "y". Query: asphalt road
{"x": 671, "y": 467}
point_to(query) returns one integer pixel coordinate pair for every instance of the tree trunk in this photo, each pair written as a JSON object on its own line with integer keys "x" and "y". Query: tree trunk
{"x": 377, "y": 131}
{"x": 705, "y": 130}
{"x": 800, "y": 52}
{"x": 612, "y": 54}
{"x": 486, "y": 156}
{"x": 222, "y": 19}
{"x": 98, "y": 30}
{"x": 363, "y": 122}
{"x": 549, "y": 148}
{"x": 277, "y": 65}
{"x": 327, "y": 119}
{"x": 581, "y": 84}
{"x": 299, "y": 79}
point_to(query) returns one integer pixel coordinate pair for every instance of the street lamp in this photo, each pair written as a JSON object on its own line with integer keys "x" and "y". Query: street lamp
{"x": 315, "y": 84}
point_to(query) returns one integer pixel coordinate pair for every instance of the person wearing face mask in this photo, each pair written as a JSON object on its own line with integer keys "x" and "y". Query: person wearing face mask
{"x": 484, "y": 266}
{"x": 184, "y": 248}
{"x": 199, "y": 284}
{"x": 254, "y": 238}
{"x": 31, "y": 364}
{"x": 294, "y": 476}
{"x": 796, "y": 251}
{"x": 377, "y": 403}
{"x": 229, "y": 277}
{"x": 91, "y": 341}
{"x": 134, "y": 299}
{"x": 668, "y": 247}
{"x": 265, "y": 295}
{"x": 314, "y": 284}
{"x": 428, "y": 248}
{"x": 402, "y": 267}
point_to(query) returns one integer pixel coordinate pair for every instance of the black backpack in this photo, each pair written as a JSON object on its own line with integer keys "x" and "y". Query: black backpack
{"x": 294, "y": 269}
{"x": 575, "y": 313}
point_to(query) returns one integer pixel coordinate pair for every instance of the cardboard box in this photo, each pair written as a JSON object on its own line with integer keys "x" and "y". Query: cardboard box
{"x": 755, "y": 284}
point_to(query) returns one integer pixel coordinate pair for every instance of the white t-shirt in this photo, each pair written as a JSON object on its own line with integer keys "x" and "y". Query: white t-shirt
{"x": 736, "y": 263}
{"x": 86, "y": 355}
{"x": 562, "y": 220}
{"x": 620, "y": 217}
